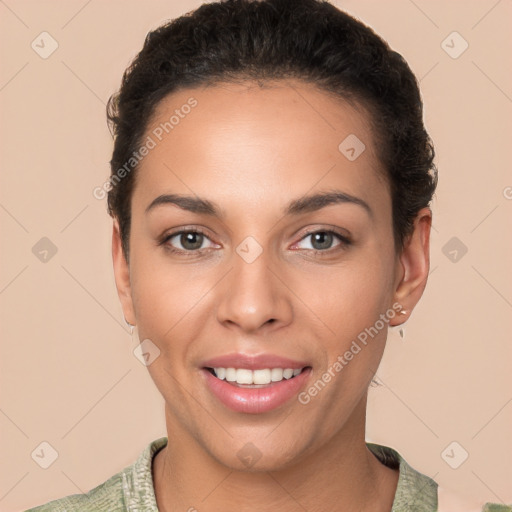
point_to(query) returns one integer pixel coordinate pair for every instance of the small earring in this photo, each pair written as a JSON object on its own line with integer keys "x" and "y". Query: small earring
{"x": 400, "y": 328}
{"x": 131, "y": 326}
{"x": 135, "y": 335}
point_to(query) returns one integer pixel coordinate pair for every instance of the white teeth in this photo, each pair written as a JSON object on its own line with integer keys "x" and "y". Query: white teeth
{"x": 230, "y": 374}
{"x": 261, "y": 377}
{"x": 288, "y": 373}
{"x": 276, "y": 374}
{"x": 220, "y": 372}
{"x": 243, "y": 376}
{"x": 258, "y": 377}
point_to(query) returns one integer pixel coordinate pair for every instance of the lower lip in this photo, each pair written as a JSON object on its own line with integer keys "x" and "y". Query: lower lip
{"x": 255, "y": 400}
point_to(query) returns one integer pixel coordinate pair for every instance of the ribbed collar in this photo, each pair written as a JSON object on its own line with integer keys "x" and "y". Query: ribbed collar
{"x": 415, "y": 491}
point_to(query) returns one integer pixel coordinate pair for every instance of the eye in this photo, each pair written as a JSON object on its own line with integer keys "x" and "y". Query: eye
{"x": 186, "y": 241}
{"x": 322, "y": 240}
{"x": 192, "y": 241}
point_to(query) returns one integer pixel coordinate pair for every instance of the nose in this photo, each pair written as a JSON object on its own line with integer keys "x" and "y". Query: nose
{"x": 254, "y": 296}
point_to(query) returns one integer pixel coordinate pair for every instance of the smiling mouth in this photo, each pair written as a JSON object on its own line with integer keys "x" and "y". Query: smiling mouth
{"x": 245, "y": 378}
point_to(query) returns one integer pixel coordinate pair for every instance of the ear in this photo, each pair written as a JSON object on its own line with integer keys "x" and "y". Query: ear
{"x": 413, "y": 266}
{"x": 122, "y": 275}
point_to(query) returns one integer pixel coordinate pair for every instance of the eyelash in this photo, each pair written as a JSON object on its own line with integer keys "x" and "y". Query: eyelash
{"x": 343, "y": 239}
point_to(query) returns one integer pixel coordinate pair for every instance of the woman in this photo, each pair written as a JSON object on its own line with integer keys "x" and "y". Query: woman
{"x": 270, "y": 190}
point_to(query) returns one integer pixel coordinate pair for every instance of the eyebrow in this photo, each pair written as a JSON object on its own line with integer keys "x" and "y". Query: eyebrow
{"x": 305, "y": 204}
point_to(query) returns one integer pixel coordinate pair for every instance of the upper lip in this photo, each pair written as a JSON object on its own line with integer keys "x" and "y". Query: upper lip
{"x": 253, "y": 362}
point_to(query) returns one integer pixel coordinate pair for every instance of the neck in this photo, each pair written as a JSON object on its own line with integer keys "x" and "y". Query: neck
{"x": 186, "y": 478}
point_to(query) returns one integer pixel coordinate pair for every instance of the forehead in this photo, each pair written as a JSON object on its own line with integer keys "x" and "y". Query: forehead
{"x": 244, "y": 142}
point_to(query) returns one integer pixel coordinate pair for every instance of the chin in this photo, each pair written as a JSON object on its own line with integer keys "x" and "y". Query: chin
{"x": 255, "y": 457}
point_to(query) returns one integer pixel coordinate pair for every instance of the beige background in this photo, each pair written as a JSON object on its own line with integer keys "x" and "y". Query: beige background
{"x": 68, "y": 374}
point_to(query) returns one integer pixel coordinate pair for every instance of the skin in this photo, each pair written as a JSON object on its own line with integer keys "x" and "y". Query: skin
{"x": 252, "y": 150}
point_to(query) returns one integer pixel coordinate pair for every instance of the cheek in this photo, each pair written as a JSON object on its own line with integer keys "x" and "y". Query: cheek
{"x": 169, "y": 301}
{"x": 158, "y": 296}
{"x": 350, "y": 300}
{"x": 357, "y": 309}
{"x": 350, "y": 296}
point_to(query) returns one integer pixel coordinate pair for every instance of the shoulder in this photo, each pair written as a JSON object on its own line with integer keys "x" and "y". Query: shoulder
{"x": 415, "y": 491}
{"x": 106, "y": 496}
{"x": 452, "y": 502}
{"x": 420, "y": 493}
{"x": 130, "y": 489}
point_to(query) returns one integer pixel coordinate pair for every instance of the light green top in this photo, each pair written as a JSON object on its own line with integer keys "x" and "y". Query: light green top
{"x": 132, "y": 488}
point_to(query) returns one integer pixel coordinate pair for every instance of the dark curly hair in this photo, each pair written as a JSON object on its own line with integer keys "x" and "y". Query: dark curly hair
{"x": 266, "y": 40}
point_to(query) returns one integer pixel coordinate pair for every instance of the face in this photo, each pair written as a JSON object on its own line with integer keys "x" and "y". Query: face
{"x": 259, "y": 244}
